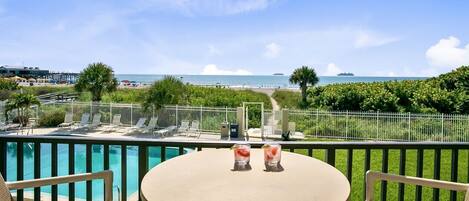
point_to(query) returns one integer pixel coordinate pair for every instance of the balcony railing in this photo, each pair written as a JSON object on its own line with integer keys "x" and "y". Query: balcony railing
{"x": 447, "y": 159}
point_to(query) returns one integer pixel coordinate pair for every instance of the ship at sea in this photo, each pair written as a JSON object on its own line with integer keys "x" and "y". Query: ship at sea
{"x": 278, "y": 74}
{"x": 345, "y": 74}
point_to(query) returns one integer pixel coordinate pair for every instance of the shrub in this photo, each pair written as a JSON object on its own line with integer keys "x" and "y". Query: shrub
{"x": 52, "y": 118}
{"x": 5, "y": 94}
{"x": 6, "y": 84}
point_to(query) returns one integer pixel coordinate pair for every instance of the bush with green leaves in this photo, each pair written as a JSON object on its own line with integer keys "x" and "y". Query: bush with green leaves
{"x": 6, "y": 84}
{"x": 168, "y": 91}
{"x": 52, "y": 117}
{"x": 447, "y": 93}
{"x": 21, "y": 103}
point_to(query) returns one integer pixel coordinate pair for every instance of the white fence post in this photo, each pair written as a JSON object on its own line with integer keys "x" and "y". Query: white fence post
{"x": 409, "y": 128}
{"x": 72, "y": 110}
{"x": 442, "y": 127}
{"x": 200, "y": 125}
{"x": 110, "y": 113}
{"x": 346, "y": 124}
{"x": 377, "y": 125}
{"x": 317, "y": 122}
{"x": 131, "y": 114}
{"x": 226, "y": 113}
{"x": 177, "y": 115}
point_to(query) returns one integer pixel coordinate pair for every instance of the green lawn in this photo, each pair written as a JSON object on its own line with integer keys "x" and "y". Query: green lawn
{"x": 411, "y": 158}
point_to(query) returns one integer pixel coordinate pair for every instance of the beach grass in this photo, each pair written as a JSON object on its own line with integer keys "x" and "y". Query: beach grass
{"x": 196, "y": 95}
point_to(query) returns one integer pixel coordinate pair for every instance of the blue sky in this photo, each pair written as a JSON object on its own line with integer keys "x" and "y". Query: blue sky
{"x": 373, "y": 38}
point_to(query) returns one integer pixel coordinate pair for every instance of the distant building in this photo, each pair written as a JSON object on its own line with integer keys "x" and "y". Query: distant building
{"x": 22, "y": 71}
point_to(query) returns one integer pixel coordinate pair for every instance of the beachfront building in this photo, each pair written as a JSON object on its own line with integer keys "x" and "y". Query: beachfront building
{"x": 22, "y": 71}
{"x": 35, "y": 74}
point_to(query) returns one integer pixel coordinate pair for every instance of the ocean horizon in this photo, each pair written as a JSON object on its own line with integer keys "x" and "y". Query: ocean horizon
{"x": 255, "y": 81}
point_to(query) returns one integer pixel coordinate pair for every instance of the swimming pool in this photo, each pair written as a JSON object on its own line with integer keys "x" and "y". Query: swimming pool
{"x": 154, "y": 154}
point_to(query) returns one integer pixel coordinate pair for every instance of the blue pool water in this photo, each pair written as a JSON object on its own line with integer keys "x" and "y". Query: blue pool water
{"x": 80, "y": 166}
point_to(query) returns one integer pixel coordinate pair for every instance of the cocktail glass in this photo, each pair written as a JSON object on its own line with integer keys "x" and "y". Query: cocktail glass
{"x": 272, "y": 155}
{"x": 242, "y": 153}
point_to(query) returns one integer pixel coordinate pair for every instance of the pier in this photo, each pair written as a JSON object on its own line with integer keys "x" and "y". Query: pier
{"x": 30, "y": 73}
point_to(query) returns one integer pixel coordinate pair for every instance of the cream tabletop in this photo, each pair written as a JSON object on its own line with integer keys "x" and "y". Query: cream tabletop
{"x": 207, "y": 175}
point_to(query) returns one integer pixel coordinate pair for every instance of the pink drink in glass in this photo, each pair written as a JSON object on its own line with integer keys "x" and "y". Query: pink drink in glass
{"x": 242, "y": 153}
{"x": 272, "y": 154}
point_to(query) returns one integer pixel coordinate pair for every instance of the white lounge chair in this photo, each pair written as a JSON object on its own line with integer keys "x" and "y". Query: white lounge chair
{"x": 138, "y": 126}
{"x": 116, "y": 122}
{"x": 184, "y": 127}
{"x": 151, "y": 125}
{"x": 106, "y": 175}
{"x": 84, "y": 121}
{"x": 68, "y": 120}
{"x": 5, "y": 126}
{"x": 96, "y": 121}
{"x": 194, "y": 128}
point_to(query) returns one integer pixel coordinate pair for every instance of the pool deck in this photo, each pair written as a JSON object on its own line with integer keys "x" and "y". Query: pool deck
{"x": 123, "y": 132}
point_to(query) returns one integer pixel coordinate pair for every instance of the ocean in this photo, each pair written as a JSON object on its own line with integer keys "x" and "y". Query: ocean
{"x": 256, "y": 81}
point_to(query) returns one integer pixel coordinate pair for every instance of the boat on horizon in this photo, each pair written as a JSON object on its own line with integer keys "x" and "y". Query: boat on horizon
{"x": 278, "y": 74}
{"x": 345, "y": 74}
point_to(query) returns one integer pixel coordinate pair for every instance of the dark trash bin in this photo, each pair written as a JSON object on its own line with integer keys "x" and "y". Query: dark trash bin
{"x": 234, "y": 130}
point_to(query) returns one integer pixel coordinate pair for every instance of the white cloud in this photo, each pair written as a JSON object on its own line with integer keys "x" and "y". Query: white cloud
{"x": 332, "y": 70}
{"x": 271, "y": 50}
{"x": 212, "y": 7}
{"x": 370, "y": 39}
{"x": 212, "y": 69}
{"x": 447, "y": 54}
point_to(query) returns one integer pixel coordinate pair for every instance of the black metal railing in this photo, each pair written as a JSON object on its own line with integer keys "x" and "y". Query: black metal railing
{"x": 344, "y": 152}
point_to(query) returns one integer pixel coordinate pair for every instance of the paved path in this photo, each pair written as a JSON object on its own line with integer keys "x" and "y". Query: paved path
{"x": 269, "y": 93}
{"x": 275, "y": 107}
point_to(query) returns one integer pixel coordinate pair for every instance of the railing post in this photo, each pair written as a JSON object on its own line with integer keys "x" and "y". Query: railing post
{"x": 142, "y": 164}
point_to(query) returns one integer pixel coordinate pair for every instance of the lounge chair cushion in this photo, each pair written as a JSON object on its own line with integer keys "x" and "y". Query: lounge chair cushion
{"x": 4, "y": 192}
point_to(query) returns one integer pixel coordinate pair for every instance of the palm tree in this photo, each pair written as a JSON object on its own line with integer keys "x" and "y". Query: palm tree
{"x": 98, "y": 78}
{"x": 169, "y": 90}
{"x": 305, "y": 77}
{"x": 21, "y": 102}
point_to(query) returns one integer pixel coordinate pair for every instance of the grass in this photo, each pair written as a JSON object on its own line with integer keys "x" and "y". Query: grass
{"x": 287, "y": 98}
{"x": 197, "y": 96}
{"x": 357, "y": 187}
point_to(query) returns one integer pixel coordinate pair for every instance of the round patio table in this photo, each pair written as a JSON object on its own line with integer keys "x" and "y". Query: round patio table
{"x": 208, "y": 175}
